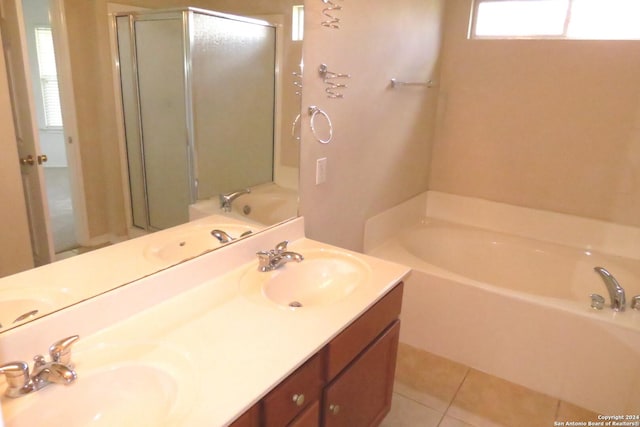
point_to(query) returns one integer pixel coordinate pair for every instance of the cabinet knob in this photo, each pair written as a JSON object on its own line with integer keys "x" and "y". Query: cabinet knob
{"x": 334, "y": 409}
{"x": 42, "y": 159}
{"x": 298, "y": 399}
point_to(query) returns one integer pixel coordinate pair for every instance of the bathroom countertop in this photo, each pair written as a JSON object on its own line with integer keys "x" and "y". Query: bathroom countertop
{"x": 231, "y": 347}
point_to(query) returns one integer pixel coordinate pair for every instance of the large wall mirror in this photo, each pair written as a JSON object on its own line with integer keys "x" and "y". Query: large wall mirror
{"x": 176, "y": 103}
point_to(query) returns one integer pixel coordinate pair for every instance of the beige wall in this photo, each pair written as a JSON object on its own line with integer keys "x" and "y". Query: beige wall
{"x": 380, "y": 153}
{"x": 547, "y": 124}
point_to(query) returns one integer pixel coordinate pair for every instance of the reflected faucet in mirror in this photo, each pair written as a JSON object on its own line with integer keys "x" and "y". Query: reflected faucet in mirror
{"x": 227, "y": 199}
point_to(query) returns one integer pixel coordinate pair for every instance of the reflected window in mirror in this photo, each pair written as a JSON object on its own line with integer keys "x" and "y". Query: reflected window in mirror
{"x": 48, "y": 78}
{"x": 297, "y": 23}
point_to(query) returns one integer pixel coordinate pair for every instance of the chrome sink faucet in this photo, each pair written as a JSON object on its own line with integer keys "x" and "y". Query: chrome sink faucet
{"x": 224, "y": 237}
{"x": 226, "y": 199}
{"x": 616, "y": 292}
{"x": 276, "y": 258}
{"x": 59, "y": 370}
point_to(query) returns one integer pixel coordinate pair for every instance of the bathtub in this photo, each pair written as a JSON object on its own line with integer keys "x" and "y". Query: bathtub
{"x": 519, "y": 308}
{"x": 266, "y": 205}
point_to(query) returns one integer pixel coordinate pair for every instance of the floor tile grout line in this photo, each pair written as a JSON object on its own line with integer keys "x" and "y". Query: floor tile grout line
{"x": 555, "y": 418}
{"x": 416, "y": 401}
{"x": 457, "y": 390}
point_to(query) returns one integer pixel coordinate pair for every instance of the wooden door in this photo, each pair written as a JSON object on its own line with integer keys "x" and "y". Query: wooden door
{"x": 26, "y": 136}
{"x": 15, "y": 251}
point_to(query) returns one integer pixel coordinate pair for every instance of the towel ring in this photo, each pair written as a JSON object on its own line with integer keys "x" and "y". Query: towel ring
{"x": 314, "y": 111}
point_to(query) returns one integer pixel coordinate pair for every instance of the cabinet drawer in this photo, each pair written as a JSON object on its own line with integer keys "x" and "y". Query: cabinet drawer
{"x": 350, "y": 342}
{"x": 300, "y": 390}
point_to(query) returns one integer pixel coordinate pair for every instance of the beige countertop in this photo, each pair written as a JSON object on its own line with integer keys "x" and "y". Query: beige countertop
{"x": 225, "y": 344}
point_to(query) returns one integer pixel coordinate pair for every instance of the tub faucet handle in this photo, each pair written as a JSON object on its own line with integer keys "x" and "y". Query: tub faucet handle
{"x": 635, "y": 303}
{"x": 597, "y": 301}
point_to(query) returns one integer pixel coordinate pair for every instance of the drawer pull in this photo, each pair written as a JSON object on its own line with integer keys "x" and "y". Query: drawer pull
{"x": 298, "y": 399}
{"x": 334, "y": 409}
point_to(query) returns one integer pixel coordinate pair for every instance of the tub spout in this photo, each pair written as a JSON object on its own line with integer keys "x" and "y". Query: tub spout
{"x": 616, "y": 292}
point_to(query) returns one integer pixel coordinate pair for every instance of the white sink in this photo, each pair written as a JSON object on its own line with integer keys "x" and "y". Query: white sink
{"x": 154, "y": 388}
{"x": 189, "y": 243}
{"x": 323, "y": 277}
{"x": 18, "y": 306}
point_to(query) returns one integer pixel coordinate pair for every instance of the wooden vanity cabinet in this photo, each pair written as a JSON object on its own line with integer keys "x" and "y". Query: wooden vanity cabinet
{"x": 347, "y": 383}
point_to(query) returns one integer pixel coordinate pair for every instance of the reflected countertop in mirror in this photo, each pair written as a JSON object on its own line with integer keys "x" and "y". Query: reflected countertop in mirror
{"x": 39, "y": 291}
{"x": 105, "y": 176}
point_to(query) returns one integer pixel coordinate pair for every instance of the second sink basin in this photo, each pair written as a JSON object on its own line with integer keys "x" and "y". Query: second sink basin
{"x": 324, "y": 277}
{"x": 111, "y": 390}
{"x": 120, "y": 396}
{"x": 193, "y": 242}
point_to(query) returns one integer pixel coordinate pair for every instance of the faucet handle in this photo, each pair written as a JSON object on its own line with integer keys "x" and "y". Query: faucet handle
{"x": 281, "y": 247}
{"x": 17, "y": 374}
{"x": 264, "y": 260}
{"x": 597, "y": 301}
{"x": 635, "y": 302}
{"x": 60, "y": 351}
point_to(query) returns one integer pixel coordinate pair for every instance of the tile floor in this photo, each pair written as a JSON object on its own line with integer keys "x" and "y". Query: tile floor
{"x": 60, "y": 208}
{"x": 78, "y": 251}
{"x": 431, "y": 391}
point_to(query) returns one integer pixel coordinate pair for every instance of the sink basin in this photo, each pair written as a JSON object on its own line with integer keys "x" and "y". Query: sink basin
{"x": 16, "y": 310}
{"x": 192, "y": 242}
{"x": 324, "y": 277}
{"x": 17, "y": 306}
{"x": 149, "y": 392}
{"x": 124, "y": 395}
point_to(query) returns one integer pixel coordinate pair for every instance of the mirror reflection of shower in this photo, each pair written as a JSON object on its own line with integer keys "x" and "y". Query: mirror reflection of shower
{"x": 199, "y": 108}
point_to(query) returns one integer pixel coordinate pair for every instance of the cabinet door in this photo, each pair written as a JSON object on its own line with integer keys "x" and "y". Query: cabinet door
{"x": 361, "y": 394}
{"x": 309, "y": 418}
{"x": 251, "y": 418}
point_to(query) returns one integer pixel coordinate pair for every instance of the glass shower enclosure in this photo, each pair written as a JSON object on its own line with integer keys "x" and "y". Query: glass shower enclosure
{"x": 198, "y": 96}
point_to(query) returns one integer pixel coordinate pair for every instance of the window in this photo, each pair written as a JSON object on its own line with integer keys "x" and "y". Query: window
{"x": 569, "y": 19}
{"x": 297, "y": 24}
{"x": 48, "y": 77}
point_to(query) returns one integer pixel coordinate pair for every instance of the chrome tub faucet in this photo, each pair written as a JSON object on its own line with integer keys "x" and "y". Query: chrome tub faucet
{"x": 59, "y": 370}
{"x": 226, "y": 199}
{"x": 276, "y": 258}
{"x": 616, "y": 292}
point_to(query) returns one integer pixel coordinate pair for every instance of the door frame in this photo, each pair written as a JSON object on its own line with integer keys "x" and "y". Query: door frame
{"x": 69, "y": 119}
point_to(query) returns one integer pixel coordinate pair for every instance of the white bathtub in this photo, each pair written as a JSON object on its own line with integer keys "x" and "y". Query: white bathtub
{"x": 266, "y": 205}
{"x": 519, "y": 308}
